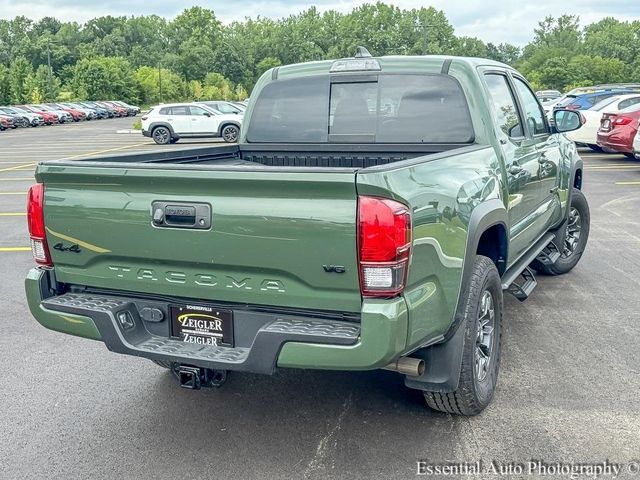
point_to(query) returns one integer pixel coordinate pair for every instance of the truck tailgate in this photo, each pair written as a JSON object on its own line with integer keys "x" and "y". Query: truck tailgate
{"x": 272, "y": 233}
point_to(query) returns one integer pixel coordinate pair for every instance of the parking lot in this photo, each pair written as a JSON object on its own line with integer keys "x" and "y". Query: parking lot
{"x": 568, "y": 388}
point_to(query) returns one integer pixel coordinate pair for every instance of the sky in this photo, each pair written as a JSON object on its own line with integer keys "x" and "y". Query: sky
{"x": 494, "y": 21}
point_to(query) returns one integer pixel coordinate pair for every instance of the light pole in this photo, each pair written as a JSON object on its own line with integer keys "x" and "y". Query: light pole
{"x": 424, "y": 27}
{"x": 50, "y": 72}
{"x": 160, "y": 81}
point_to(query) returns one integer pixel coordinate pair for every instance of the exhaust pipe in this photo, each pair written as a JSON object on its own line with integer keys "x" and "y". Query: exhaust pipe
{"x": 414, "y": 367}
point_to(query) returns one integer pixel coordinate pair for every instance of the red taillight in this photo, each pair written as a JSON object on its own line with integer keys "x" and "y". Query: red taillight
{"x": 35, "y": 220}
{"x": 622, "y": 121}
{"x": 384, "y": 245}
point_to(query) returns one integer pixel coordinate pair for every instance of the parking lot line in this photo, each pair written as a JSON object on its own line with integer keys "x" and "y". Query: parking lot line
{"x": 18, "y": 167}
{"x": 98, "y": 152}
{"x": 627, "y": 183}
{"x": 7, "y": 163}
{"x": 13, "y": 193}
{"x": 12, "y": 214}
{"x": 15, "y": 249}
{"x": 16, "y": 179}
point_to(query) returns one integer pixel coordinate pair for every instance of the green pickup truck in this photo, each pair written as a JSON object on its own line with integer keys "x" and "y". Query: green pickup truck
{"x": 371, "y": 217}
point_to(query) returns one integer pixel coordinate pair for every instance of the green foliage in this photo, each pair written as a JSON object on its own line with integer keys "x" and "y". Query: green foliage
{"x": 5, "y": 88}
{"x": 200, "y": 58}
{"x": 20, "y": 74}
{"x": 46, "y": 84}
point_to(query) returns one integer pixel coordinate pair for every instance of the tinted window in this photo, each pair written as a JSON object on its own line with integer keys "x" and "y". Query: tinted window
{"x": 631, "y": 108}
{"x": 603, "y": 104}
{"x": 533, "y": 113}
{"x": 199, "y": 111}
{"x": 165, "y": 111}
{"x": 293, "y": 111}
{"x": 180, "y": 110}
{"x": 628, "y": 102}
{"x": 226, "y": 108}
{"x": 505, "y": 105}
{"x": 566, "y": 101}
{"x": 393, "y": 109}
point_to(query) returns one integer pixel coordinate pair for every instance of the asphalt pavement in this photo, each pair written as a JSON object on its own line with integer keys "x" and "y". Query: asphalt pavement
{"x": 568, "y": 388}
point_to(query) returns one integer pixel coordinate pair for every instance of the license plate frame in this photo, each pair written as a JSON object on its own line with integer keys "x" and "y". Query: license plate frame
{"x": 202, "y": 324}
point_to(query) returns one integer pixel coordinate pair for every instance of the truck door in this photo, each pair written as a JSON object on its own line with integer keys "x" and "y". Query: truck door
{"x": 549, "y": 211}
{"x": 521, "y": 160}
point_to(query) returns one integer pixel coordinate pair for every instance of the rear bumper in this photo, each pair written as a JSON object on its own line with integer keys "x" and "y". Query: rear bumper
{"x": 263, "y": 340}
{"x": 618, "y": 140}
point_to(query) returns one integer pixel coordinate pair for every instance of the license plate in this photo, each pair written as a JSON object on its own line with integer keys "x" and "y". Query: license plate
{"x": 202, "y": 325}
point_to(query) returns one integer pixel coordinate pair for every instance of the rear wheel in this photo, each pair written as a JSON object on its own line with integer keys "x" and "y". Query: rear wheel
{"x": 482, "y": 321}
{"x": 575, "y": 239}
{"x": 595, "y": 148}
{"x": 230, "y": 133}
{"x": 161, "y": 135}
{"x": 630, "y": 155}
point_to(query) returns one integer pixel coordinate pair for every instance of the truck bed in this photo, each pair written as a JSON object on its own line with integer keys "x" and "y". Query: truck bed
{"x": 354, "y": 156}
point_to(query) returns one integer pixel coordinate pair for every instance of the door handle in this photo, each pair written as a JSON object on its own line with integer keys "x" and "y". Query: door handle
{"x": 515, "y": 169}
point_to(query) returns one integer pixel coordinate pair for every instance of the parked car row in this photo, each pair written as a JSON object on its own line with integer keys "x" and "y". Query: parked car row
{"x": 34, "y": 115}
{"x": 168, "y": 123}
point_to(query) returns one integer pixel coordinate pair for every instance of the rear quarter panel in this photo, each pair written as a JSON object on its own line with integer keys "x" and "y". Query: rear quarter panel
{"x": 441, "y": 203}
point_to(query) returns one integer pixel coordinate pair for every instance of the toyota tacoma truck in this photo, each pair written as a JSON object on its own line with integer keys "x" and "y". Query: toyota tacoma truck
{"x": 372, "y": 216}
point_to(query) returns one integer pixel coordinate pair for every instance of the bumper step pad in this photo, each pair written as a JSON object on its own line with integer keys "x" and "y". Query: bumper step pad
{"x": 260, "y": 356}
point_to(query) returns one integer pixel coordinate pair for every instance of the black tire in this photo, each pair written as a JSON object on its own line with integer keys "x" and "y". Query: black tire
{"x": 161, "y": 135}
{"x": 482, "y": 344}
{"x": 575, "y": 239}
{"x": 595, "y": 148}
{"x": 229, "y": 133}
{"x": 162, "y": 364}
{"x": 630, "y": 155}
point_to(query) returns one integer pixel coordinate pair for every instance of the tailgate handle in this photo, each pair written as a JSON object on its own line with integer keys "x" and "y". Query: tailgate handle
{"x": 181, "y": 215}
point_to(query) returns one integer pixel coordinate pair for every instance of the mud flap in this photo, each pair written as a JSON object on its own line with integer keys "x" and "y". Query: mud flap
{"x": 442, "y": 365}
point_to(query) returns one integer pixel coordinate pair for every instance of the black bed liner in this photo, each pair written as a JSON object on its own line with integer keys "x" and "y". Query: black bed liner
{"x": 348, "y": 156}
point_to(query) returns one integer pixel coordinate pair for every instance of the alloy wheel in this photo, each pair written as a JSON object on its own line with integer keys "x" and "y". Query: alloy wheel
{"x": 484, "y": 335}
{"x": 574, "y": 229}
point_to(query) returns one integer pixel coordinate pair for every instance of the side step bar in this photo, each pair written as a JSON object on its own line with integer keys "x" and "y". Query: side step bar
{"x": 545, "y": 251}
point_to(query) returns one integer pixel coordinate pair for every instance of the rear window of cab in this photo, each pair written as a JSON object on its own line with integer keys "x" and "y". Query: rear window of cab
{"x": 382, "y": 108}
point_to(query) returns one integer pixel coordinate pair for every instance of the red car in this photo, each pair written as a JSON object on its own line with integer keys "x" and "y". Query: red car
{"x": 48, "y": 117}
{"x": 6, "y": 122}
{"x": 76, "y": 114}
{"x": 618, "y": 129}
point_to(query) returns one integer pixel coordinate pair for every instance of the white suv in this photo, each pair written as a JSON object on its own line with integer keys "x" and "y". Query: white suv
{"x": 171, "y": 122}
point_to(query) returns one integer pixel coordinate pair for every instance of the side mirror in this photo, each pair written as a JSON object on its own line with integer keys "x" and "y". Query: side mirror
{"x": 567, "y": 120}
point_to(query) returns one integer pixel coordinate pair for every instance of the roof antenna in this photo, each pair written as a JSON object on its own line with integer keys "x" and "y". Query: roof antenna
{"x": 362, "y": 52}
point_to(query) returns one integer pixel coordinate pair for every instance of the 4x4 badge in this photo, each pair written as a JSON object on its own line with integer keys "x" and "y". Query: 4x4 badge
{"x": 75, "y": 248}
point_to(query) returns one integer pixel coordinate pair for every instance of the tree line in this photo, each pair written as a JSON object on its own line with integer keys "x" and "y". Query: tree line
{"x": 148, "y": 59}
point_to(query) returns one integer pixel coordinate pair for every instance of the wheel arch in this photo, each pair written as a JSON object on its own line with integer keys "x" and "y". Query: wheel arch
{"x": 227, "y": 123}
{"x": 155, "y": 125}
{"x": 488, "y": 222}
